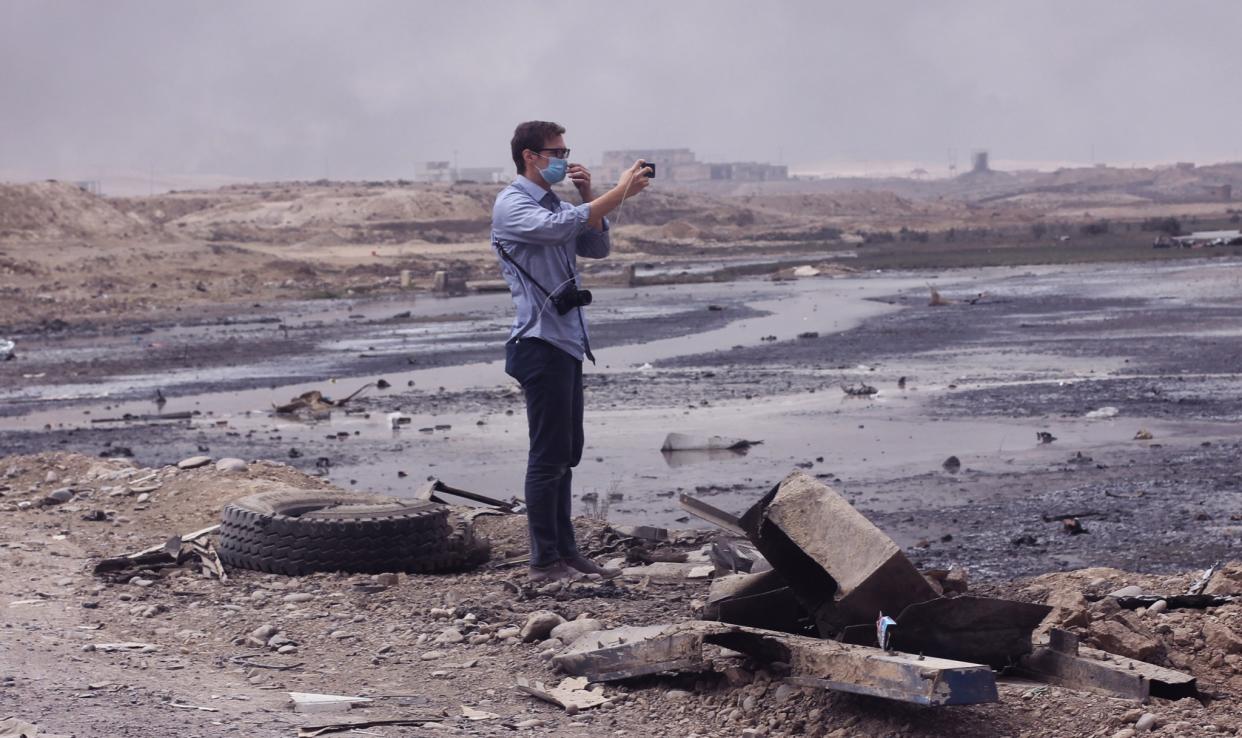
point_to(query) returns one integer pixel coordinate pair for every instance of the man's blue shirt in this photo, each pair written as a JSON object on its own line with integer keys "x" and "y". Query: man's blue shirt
{"x": 545, "y": 236}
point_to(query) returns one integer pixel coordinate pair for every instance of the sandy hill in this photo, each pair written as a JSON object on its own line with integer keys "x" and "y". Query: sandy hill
{"x": 390, "y": 212}
{"x": 50, "y": 210}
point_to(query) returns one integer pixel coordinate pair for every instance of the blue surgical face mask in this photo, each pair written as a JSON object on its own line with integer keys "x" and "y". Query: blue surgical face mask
{"x": 555, "y": 171}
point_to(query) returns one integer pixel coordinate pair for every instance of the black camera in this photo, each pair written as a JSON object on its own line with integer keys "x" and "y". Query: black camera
{"x": 649, "y": 169}
{"x": 569, "y": 298}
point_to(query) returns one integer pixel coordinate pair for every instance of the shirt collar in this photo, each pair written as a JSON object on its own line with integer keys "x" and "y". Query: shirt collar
{"x": 535, "y": 191}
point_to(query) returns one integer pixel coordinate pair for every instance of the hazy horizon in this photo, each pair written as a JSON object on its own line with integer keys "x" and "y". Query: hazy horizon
{"x": 365, "y": 90}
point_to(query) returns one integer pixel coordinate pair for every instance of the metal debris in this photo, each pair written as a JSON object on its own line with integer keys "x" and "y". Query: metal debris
{"x": 1061, "y": 661}
{"x": 436, "y": 491}
{"x": 713, "y": 515}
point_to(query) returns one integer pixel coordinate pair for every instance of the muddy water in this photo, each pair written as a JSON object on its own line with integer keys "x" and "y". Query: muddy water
{"x": 480, "y": 443}
{"x": 822, "y": 306}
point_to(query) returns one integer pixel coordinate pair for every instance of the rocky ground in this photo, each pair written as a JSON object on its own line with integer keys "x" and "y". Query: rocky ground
{"x": 217, "y": 657}
{"x": 126, "y": 302}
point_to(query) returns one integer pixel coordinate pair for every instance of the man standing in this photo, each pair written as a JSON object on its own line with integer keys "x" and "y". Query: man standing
{"x": 538, "y": 238}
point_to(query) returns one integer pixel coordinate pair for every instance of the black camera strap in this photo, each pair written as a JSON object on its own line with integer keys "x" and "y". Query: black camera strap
{"x": 573, "y": 275}
{"x": 511, "y": 260}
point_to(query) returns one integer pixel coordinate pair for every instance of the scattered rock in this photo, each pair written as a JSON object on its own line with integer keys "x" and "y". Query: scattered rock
{"x": 1147, "y": 722}
{"x": 194, "y": 462}
{"x": 574, "y": 629}
{"x": 450, "y": 635}
{"x": 539, "y": 625}
{"x": 1114, "y": 637}
{"x": 59, "y": 496}
{"x": 952, "y": 465}
{"x": 1221, "y": 637}
{"x": 229, "y": 465}
{"x": 299, "y": 597}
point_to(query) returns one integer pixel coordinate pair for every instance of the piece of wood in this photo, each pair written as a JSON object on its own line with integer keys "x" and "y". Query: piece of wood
{"x": 311, "y": 730}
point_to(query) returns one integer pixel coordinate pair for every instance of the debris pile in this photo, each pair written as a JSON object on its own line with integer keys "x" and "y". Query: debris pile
{"x": 828, "y": 600}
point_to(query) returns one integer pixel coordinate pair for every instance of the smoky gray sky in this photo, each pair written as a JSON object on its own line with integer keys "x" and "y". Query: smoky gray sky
{"x": 364, "y": 89}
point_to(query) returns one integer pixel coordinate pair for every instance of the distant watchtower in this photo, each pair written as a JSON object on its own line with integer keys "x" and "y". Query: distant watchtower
{"x": 979, "y": 161}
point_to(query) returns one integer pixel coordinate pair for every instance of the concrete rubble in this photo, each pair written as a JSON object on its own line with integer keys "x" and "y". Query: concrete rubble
{"x": 823, "y": 576}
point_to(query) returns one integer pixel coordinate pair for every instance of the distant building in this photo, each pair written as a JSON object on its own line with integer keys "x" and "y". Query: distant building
{"x": 482, "y": 174}
{"x": 681, "y": 165}
{"x": 445, "y": 172}
{"x": 979, "y": 161}
{"x": 434, "y": 171}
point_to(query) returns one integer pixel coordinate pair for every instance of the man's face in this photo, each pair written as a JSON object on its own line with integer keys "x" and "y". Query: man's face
{"x": 554, "y": 146}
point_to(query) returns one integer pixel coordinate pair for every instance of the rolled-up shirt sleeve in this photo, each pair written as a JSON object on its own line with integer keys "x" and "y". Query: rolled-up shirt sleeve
{"x": 594, "y": 244}
{"x": 518, "y": 218}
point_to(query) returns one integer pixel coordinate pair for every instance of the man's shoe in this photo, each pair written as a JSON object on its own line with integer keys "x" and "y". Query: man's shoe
{"x": 586, "y": 566}
{"x": 551, "y": 573}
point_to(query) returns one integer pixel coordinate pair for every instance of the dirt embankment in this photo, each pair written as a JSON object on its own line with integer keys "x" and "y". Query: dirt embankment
{"x": 47, "y": 211}
{"x": 67, "y": 256}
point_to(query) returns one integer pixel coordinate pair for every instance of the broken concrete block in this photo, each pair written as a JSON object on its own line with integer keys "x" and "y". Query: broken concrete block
{"x": 842, "y": 567}
{"x": 628, "y": 652}
{"x": 570, "y": 694}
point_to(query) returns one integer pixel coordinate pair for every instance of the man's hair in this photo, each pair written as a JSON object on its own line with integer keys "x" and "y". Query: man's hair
{"x": 532, "y": 134}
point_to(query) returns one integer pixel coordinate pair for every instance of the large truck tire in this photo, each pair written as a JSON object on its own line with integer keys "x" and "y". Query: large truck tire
{"x": 297, "y": 532}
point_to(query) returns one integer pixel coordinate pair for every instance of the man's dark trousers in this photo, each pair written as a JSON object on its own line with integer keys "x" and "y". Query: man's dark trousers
{"x": 552, "y": 382}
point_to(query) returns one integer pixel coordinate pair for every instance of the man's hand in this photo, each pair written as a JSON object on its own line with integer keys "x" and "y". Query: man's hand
{"x": 581, "y": 177}
{"x": 634, "y": 180}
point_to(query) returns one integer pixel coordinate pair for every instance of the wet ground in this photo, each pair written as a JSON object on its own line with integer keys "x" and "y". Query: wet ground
{"x": 1151, "y": 347}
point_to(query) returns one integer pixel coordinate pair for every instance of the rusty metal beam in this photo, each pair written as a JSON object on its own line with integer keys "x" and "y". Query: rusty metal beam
{"x": 713, "y": 515}
{"x": 983, "y": 630}
{"x": 1064, "y": 663}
